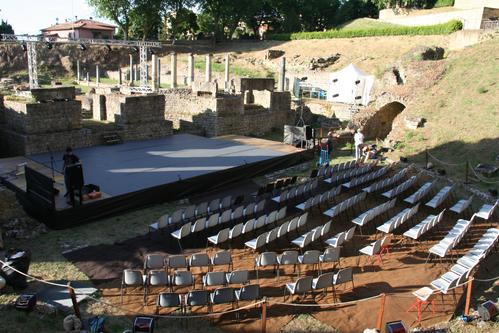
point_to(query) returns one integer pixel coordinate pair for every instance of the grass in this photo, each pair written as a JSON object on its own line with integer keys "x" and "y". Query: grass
{"x": 372, "y": 29}
{"x": 235, "y": 70}
{"x": 461, "y": 112}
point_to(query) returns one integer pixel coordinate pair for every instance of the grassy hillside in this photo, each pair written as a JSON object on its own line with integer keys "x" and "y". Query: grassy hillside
{"x": 462, "y": 113}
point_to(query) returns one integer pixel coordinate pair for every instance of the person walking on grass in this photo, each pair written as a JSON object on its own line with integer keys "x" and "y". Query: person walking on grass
{"x": 358, "y": 139}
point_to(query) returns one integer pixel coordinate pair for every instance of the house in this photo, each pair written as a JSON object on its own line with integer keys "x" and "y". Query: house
{"x": 80, "y": 29}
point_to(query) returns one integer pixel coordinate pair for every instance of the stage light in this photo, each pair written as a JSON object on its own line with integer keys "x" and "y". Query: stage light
{"x": 83, "y": 47}
{"x": 25, "y": 47}
{"x": 357, "y": 82}
{"x": 49, "y": 45}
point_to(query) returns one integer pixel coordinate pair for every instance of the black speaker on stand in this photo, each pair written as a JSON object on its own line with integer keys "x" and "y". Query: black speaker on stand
{"x": 76, "y": 182}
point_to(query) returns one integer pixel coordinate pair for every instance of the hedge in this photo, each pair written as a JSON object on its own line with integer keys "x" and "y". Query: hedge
{"x": 438, "y": 29}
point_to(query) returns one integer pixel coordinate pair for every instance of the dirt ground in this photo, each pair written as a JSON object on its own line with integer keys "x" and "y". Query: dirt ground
{"x": 402, "y": 271}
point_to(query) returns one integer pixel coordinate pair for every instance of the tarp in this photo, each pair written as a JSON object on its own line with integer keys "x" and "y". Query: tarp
{"x": 350, "y": 85}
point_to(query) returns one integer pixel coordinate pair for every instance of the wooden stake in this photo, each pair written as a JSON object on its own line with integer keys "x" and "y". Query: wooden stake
{"x": 468, "y": 297}
{"x": 381, "y": 312}
{"x": 264, "y": 315}
{"x": 73, "y": 300}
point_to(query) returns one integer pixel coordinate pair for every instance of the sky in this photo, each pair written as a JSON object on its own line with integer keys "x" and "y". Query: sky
{"x": 29, "y": 16}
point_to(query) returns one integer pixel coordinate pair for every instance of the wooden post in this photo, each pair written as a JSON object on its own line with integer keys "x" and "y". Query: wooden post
{"x": 73, "y": 300}
{"x": 264, "y": 315}
{"x": 379, "y": 322}
{"x": 468, "y": 296}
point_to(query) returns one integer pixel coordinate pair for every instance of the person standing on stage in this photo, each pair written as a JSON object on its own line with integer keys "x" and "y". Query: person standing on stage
{"x": 358, "y": 139}
{"x": 68, "y": 159}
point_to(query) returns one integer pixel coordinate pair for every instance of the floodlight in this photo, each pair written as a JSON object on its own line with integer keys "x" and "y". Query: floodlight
{"x": 82, "y": 47}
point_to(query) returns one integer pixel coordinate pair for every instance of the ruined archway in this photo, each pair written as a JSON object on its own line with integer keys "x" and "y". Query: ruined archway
{"x": 379, "y": 123}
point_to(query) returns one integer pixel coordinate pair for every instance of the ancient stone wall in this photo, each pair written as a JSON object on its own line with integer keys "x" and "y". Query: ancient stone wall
{"x": 245, "y": 84}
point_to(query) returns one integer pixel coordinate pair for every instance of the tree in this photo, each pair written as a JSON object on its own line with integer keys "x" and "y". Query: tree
{"x": 381, "y": 4}
{"x": 145, "y": 18}
{"x": 178, "y": 15}
{"x": 6, "y": 28}
{"x": 117, "y": 10}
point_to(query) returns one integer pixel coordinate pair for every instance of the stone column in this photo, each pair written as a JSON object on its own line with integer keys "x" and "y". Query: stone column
{"x": 158, "y": 69}
{"x": 173, "y": 70}
{"x": 120, "y": 80}
{"x": 208, "y": 68}
{"x": 227, "y": 80}
{"x": 282, "y": 74}
{"x": 88, "y": 78}
{"x": 97, "y": 75}
{"x": 78, "y": 71}
{"x": 154, "y": 77}
{"x": 130, "y": 76}
{"x": 190, "y": 65}
{"x": 134, "y": 72}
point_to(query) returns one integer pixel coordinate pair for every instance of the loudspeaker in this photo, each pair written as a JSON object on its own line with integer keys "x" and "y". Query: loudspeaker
{"x": 143, "y": 325}
{"x": 26, "y": 302}
{"x": 487, "y": 310}
{"x": 75, "y": 173}
{"x": 308, "y": 132}
{"x": 395, "y": 327}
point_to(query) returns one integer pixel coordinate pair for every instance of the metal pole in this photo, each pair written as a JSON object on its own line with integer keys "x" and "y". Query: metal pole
{"x": 381, "y": 312}
{"x": 208, "y": 68}
{"x": 158, "y": 69}
{"x": 78, "y": 70}
{"x": 226, "y": 81}
{"x": 130, "y": 76}
{"x": 173, "y": 70}
{"x": 154, "y": 77}
{"x": 97, "y": 75}
{"x": 74, "y": 301}
{"x": 282, "y": 74}
{"x": 143, "y": 66}
{"x": 190, "y": 75}
{"x": 264, "y": 315}
{"x": 468, "y": 296}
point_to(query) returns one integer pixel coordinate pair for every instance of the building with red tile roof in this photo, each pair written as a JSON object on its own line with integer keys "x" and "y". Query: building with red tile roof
{"x": 80, "y": 29}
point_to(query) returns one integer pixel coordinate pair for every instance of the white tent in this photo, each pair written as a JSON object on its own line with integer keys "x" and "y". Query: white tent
{"x": 350, "y": 85}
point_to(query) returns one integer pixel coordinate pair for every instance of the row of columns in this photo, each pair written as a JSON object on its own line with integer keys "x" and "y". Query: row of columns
{"x": 156, "y": 71}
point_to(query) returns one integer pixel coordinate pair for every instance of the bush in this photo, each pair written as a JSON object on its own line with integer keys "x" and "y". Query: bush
{"x": 442, "y": 3}
{"x": 438, "y": 29}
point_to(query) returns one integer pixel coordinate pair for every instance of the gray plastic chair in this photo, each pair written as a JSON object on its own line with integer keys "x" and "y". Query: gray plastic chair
{"x": 199, "y": 260}
{"x": 248, "y": 226}
{"x": 197, "y": 298}
{"x": 168, "y": 300}
{"x": 176, "y": 261}
{"x": 214, "y": 279}
{"x": 225, "y": 217}
{"x": 176, "y": 217}
{"x": 249, "y": 209}
{"x": 214, "y": 206}
{"x": 288, "y": 258}
{"x": 237, "y": 277}
{"x": 222, "y": 258}
{"x": 182, "y": 279}
{"x": 260, "y": 206}
{"x": 131, "y": 278}
{"x": 161, "y": 223}
{"x": 331, "y": 254}
{"x": 343, "y": 276}
{"x": 198, "y": 225}
{"x": 271, "y": 217}
{"x": 212, "y": 220}
{"x": 154, "y": 261}
{"x": 189, "y": 212}
{"x": 310, "y": 257}
{"x": 155, "y": 278}
{"x": 223, "y": 296}
{"x": 222, "y": 236}
{"x": 181, "y": 233}
{"x": 250, "y": 292}
{"x": 301, "y": 286}
{"x": 237, "y": 213}
{"x": 202, "y": 209}
{"x": 266, "y": 259}
{"x": 323, "y": 282}
{"x": 236, "y": 231}
{"x": 226, "y": 202}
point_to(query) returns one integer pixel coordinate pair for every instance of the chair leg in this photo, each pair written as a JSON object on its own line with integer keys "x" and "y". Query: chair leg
{"x": 121, "y": 293}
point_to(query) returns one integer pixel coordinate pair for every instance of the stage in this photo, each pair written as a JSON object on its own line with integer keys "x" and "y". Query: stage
{"x": 138, "y": 173}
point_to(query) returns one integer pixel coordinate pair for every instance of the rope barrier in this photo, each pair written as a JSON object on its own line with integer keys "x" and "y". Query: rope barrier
{"x": 480, "y": 178}
{"x": 326, "y": 304}
{"x": 487, "y": 280}
{"x": 445, "y": 163}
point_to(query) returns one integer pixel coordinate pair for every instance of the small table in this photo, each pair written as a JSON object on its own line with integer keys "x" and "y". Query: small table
{"x": 423, "y": 296}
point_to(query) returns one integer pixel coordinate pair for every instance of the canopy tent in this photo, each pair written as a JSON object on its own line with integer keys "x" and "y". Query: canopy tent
{"x": 350, "y": 85}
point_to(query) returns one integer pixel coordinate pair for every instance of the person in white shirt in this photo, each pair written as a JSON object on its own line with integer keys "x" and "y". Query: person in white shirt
{"x": 358, "y": 139}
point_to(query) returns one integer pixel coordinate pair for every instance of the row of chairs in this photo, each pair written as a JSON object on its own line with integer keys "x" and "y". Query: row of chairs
{"x": 367, "y": 178}
{"x": 399, "y": 219}
{"x": 422, "y": 227}
{"x": 376, "y": 249}
{"x": 276, "y": 185}
{"x": 293, "y": 258}
{"x": 157, "y": 261}
{"x": 320, "y": 198}
{"x": 461, "y": 205}
{"x": 191, "y": 212}
{"x": 205, "y": 298}
{"x": 372, "y": 213}
{"x": 217, "y": 219}
{"x": 278, "y": 232}
{"x": 296, "y": 191}
{"x": 386, "y": 182}
{"x": 440, "y": 197}
{"x": 400, "y": 188}
{"x": 325, "y": 171}
{"x": 342, "y": 237}
{"x": 312, "y": 235}
{"x": 345, "y": 175}
{"x": 420, "y": 193}
{"x": 229, "y": 234}
{"x": 452, "y": 238}
{"x": 460, "y": 272}
{"x": 308, "y": 284}
{"x": 345, "y": 204}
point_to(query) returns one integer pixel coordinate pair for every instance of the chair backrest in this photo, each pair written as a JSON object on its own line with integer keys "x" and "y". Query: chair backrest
{"x": 168, "y": 300}
{"x": 189, "y": 212}
{"x": 340, "y": 238}
{"x": 350, "y": 233}
{"x": 226, "y": 202}
{"x": 212, "y": 220}
{"x": 326, "y": 228}
{"x": 221, "y": 258}
{"x": 303, "y": 219}
{"x": 303, "y": 285}
{"x": 222, "y": 295}
{"x": 331, "y": 254}
{"x": 157, "y": 278}
{"x": 132, "y": 277}
{"x": 272, "y": 217}
{"x": 237, "y": 213}
{"x": 266, "y": 259}
{"x": 283, "y": 196}
{"x": 236, "y": 231}
{"x": 261, "y": 240}
{"x": 214, "y": 279}
{"x": 198, "y": 225}
{"x": 163, "y": 221}
{"x": 289, "y": 257}
{"x": 238, "y": 277}
{"x": 260, "y": 222}
{"x": 225, "y": 217}
{"x": 282, "y": 229}
{"x": 248, "y": 226}
{"x": 223, "y": 235}
{"x": 202, "y": 209}
{"x": 197, "y": 298}
{"x": 324, "y": 281}
{"x": 271, "y": 235}
{"x": 377, "y": 245}
{"x": 250, "y": 292}
{"x": 182, "y": 278}
{"x": 293, "y": 224}
{"x": 260, "y": 206}
{"x": 214, "y": 205}
{"x": 344, "y": 275}
{"x": 154, "y": 261}
{"x": 307, "y": 239}
{"x": 176, "y": 261}
{"x": 249, "y": 209}
{"x": 185, "y": 230}
{"x": 282, "y": 213}
{"x": 177, "y": 216}
{"x": 199, "y": 260}
{"x": 311, "y": 257}
{"x": 316, "y": 234}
